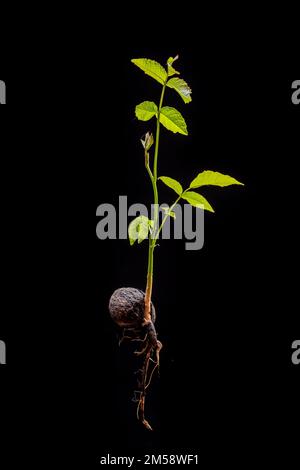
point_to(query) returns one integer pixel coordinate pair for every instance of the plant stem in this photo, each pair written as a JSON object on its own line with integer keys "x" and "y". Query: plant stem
{"x": 153, "y": 237}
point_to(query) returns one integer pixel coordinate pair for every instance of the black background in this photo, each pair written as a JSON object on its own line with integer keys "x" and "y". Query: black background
{"x": 226, "y": 314}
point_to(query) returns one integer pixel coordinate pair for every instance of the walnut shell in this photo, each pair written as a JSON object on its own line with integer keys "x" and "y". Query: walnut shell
{"x": 126, "y": 307}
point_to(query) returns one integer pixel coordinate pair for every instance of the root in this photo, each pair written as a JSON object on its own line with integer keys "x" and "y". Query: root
{"x": 141, "y": 404}
{"x": 156, "y": 363}
{"x": 134, "y": 332}
{"x": 152, "y": 348}
{"x": 151, "y": 375}
{"x": 140, "y": 353}
{"x": 150, "y": 353}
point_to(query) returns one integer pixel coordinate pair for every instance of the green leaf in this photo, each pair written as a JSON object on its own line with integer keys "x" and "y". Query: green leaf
{"x": 175, "y": 185}
{"x": 181, "y": 87}
{"x": 146, "y": 110}
{"x": 173, "y": 120}
{"x": 152, "y": 68}
{"x": 171, "y": 60}
{"x": 168, "y": 212}
{"x": 214, "y": 178}
{"x": 138, "y": 229}
{"x": 171, "y": 70}
{"x": 197, "y": 200}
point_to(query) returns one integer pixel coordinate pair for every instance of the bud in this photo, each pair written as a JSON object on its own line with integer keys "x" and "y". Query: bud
{"x": 148, "y": 142}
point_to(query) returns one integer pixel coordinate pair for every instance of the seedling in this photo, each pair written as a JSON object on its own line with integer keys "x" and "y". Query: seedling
{"x": 131, "y": 308}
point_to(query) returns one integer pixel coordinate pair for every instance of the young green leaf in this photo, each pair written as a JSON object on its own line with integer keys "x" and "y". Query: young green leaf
{"x": 214, "y": 178}
{"x": 146, "y": 110}
{"x": 175, "y": 185}
{"x": 181, "y": 87}
{"x": 197, "y": 200}
{"x": 169, "y": 212}
{"x": 171, "y": 70}
{"x": 138, "y": 229}
{"x": 152, "y": 68}
{"x": 173, "y": 120}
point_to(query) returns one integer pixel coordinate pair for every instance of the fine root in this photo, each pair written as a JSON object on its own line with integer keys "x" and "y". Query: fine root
{"x": 146, "y": 377}
{"x": 140, "y": 353}
{"x": 145, "y": 373}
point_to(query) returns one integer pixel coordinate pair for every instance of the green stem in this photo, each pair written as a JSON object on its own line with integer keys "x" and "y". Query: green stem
{"x": 150, "y": 173}
{"x": 153, "y": 237}
{"x": 158, "y": 132}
